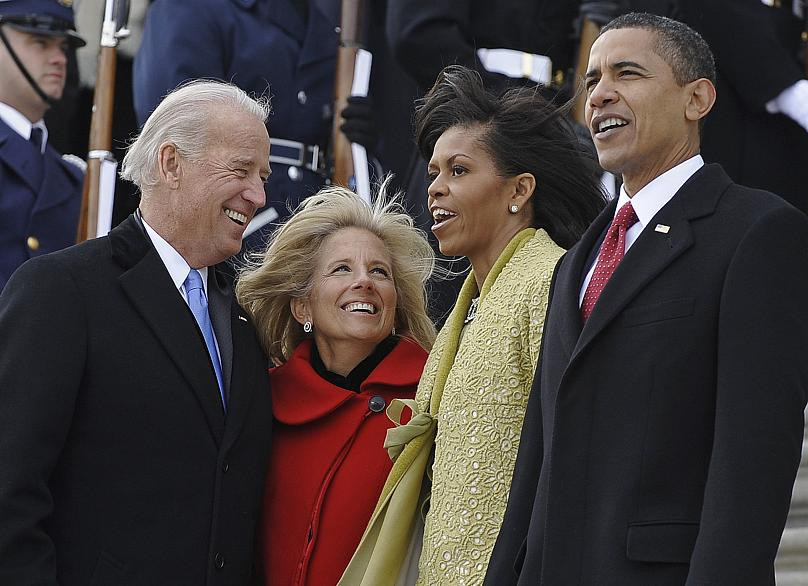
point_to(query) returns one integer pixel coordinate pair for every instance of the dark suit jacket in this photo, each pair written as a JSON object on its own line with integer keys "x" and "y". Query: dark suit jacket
{"x": 118, "y": 464}
{"x": 662, "y": 439}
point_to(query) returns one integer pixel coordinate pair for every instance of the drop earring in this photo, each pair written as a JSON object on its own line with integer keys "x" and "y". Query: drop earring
{"x": 307, "y": 327}
{"x": 514, "y": 208}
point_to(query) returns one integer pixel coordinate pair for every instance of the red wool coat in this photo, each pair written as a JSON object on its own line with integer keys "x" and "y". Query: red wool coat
{"x": 328, "y": 465}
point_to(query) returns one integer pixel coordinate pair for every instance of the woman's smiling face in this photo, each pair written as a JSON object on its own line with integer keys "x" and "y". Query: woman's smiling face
{"x": 353, "y": 297}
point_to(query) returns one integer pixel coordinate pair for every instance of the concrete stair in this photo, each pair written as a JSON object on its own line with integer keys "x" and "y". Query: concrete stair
{"x": 792, "y": 558}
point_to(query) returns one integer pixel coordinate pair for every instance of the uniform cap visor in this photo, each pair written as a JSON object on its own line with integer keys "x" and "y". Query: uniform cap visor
{"x": 45, "y": 26}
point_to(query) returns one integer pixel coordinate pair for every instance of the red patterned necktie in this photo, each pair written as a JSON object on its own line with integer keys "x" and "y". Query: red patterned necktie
{"x": 611, "y": 253}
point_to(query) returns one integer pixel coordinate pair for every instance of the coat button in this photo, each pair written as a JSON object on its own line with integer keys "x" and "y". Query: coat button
{"x": 32, "y": 243}
{"x": 302, "y": 97}
{"x": 218, "y": 560}
{"x": 376, "y": 403}
{"x": 294, "y": 173}
{"x": 225, "y": 467}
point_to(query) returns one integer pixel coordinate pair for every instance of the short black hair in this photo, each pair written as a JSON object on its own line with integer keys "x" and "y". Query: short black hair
{"x": 523, "y": 133}
{"x": 682, "y": 48}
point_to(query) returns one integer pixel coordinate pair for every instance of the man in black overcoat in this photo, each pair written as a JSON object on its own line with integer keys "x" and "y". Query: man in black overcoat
{"x": 665, "y": 424}
{"x": 135, "y": 421}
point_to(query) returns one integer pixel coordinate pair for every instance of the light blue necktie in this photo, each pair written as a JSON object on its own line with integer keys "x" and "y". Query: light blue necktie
{"x": 199, "y": 307}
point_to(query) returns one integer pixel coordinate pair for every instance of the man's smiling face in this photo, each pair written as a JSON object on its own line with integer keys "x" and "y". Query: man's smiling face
{"x": 635, "y": 109}
{"x": 218, "y": 195}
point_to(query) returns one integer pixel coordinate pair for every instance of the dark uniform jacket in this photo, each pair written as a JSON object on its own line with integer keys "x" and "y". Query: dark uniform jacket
{"x": 40, "y": 197}
{"x": 662, "y": 438}
{"x": 265, "y": 47}
{"x": 118, "y": 465}
{"x": 757, "y": 49}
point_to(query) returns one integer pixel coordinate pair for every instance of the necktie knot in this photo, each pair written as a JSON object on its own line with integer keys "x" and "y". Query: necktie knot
{"x": 36, "y": 137}
{"x": 193, "y": 281}
{"x": 626, "y": 217}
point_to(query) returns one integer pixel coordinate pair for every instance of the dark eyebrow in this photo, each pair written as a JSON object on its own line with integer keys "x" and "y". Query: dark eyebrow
{"x": 619, "y": 65}
{"x": 632, "y": 64}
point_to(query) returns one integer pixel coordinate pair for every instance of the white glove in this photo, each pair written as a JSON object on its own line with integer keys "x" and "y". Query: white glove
{"x": 793, "y": 102}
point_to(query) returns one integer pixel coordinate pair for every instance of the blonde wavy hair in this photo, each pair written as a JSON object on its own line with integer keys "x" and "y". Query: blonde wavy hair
{"x": 272, "y": 278}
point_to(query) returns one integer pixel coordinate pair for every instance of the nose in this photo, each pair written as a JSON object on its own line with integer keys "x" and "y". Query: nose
{"x": 363, "y": 280}
{"x": 255, "y": 193}
{"x": 601, "y": 94}
{"x": 436, "y": 188}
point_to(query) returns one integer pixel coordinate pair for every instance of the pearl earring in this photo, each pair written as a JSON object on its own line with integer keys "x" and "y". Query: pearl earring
{"x": 307, "y": 327}
{"x": 393, "y": 333}
{"x": 514, "y": 208}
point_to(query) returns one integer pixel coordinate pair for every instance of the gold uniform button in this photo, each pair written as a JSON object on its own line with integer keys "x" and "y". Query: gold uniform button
{"x": 805, "y": 36}
{"x": 33, "y": 242}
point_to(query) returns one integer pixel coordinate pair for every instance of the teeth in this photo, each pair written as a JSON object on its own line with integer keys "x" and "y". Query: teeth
{"x": 440, "y": 214}
{"x": 609, "y": 122}
{"x": 234, "y": 215}
{"x": 359, "y": 306}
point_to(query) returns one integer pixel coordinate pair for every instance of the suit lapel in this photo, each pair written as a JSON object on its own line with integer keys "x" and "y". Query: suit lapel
{"x": 569, "y": 287}
{"x": 148, "y": 286}
{"x": 243, "y": 385}
{"x": 14, "y": 153}
{"x": 53, "y": 192}
{"x": 219, "y": 299}
{"x": 654, "y": 251}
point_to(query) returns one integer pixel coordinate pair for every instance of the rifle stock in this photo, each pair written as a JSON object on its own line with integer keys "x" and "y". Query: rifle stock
{"x": 350, "y": 42}
{"x": 589, "y": 32}
{"x": 100, "y": 141}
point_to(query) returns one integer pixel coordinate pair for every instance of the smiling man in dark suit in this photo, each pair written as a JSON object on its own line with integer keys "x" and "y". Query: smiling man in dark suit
{"x": 664, "y": 429}
{"x": 135, "y": 420}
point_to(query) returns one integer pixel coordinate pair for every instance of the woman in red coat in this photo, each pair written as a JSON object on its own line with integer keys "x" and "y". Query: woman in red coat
{"x": 339, "y": 300}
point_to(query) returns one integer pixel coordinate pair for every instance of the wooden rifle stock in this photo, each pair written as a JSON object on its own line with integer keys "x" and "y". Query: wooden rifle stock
{"x": 351, "y": 23}
{"x": 100, "y": 141}
{"x": 589, "y": 32}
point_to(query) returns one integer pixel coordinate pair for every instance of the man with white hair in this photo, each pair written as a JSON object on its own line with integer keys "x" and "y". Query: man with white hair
{"x": 135, "y": 421}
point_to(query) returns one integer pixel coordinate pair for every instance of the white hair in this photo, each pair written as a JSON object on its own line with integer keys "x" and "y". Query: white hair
{"x": 182, "y": 119}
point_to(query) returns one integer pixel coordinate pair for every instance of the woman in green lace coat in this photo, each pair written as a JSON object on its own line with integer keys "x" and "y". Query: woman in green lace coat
{"x": 510, "y": 188}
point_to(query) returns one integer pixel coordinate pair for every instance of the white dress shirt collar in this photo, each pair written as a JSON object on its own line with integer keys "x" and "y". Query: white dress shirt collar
{"x": 176, "y": 266}
{"x": 653, "y": 197}
{"x": 647, "y": 202}
{"x": 21, "y": 125}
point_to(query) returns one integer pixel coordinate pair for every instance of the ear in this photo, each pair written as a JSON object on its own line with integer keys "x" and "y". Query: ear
{"x": 168, "y": 163}
{"x": 524, "y": 187}
{"x": 700, "y": 100}
{"x": 300, "y": 310}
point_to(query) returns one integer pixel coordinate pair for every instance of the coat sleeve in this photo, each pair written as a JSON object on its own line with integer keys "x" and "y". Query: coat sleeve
{"x": 427, "y": 35}
{"x": 42, "y": 352}
{"x": 760, "y": 397}
{"x": 181, "y": 41}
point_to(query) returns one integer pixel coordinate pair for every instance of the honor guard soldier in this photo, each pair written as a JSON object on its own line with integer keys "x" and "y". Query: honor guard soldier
{"x": 758, "y": 129}
{"x": 40, "y": 191}
{"x": 284, "y": 48}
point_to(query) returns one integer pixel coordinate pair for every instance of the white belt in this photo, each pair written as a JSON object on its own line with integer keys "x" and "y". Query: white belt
{"x": 517, "y": 64}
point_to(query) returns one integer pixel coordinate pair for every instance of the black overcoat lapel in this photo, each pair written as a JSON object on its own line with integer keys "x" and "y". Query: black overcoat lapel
{"x": 654, "y": 250}
{"x": 219, "y": 299}
{"x": 245, "y": 353}
{"x": 147, "y": 284}
{"x": 565, "y": 297}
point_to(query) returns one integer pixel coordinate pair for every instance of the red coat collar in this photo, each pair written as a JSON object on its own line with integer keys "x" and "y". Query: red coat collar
{"x": 300, "y": 395}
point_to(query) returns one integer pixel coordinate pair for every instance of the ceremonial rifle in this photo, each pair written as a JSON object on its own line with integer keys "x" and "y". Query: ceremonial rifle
{"x": 350, "y": 42}
{"x": 116, "y": 15}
